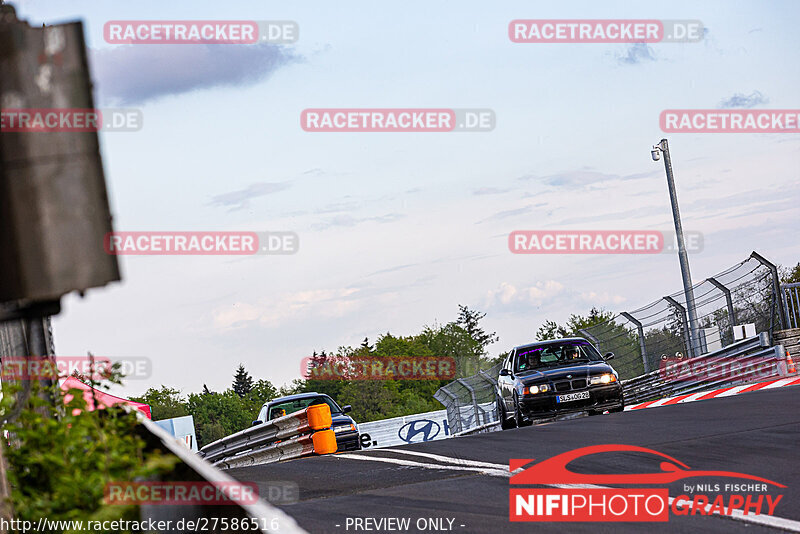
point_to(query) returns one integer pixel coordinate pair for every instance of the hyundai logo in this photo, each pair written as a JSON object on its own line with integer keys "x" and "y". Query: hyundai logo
{"x": 429, "y": 430}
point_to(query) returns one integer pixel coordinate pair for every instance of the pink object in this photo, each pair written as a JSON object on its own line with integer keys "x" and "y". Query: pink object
{"x": 103, "y": 399}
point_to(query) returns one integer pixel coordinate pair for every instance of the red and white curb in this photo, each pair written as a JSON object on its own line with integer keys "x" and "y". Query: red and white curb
{"x": 716, "y": 393}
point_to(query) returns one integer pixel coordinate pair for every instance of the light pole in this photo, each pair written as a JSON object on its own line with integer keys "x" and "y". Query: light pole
{"x": 688, "y": 291}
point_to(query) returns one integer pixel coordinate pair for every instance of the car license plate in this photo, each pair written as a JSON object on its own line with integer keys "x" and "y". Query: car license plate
{"x": 581, "y": 395}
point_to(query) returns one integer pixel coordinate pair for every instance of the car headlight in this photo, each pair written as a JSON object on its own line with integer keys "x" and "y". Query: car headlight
{"x": 603, "y": 379}
{"x": 344, "y": 428}
{"x": 533, "y": 390}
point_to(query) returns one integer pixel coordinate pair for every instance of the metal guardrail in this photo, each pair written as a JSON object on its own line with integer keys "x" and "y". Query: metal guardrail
{"x": 302, "y": 433}
{"x": 745, "y": 361}
{"x": 261, "y": 513}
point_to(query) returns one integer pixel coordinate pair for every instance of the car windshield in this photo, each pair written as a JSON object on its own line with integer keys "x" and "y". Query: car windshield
{"x": 285, "y": 408}
{"x": 556, "y": 354}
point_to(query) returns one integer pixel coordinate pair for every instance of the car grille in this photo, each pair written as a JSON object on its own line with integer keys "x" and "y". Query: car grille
{"x": 566, "y": 386}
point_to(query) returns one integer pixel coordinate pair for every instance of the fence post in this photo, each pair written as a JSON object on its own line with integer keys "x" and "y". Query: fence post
{"x": 687, "y": 340}
{"x": 728, "y": 300}
{"x": 593, "y": 339}
{"x": 642, "y": 347}
{"x": 493, "y": 384}
{"x": 474, "y": 400}
{"x": 776, "y": 287}
{"x": 456, "y": 423}
{"x": 792, "y": 304}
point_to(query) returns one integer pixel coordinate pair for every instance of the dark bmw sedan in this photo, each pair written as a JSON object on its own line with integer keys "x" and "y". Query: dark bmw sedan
{"x": 343, "y": 425}
{"x": 550, "y": 378}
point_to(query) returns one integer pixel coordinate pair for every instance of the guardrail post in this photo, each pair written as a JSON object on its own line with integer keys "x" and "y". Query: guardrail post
{"x": 687, "y": 340}
{"x": 594, "y": 340}
{"x": 776, "y": 287}
{"x": 642, "y": 347}
{"x": 474, "y": 400}
{"x": 728, "y": 300}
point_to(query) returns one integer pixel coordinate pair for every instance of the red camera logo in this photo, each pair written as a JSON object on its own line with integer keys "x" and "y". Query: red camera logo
{"x": 592, "y": 502}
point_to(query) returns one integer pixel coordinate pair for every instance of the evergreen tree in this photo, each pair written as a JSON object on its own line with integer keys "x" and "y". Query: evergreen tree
{"x": 242, "y": 381}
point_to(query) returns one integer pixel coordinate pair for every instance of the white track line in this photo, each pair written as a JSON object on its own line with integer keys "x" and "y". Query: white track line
{"x": 492, "y": 472}
{"x": 733, "y": 391}
{"x": 500, "y": 470}
{"x": 780, "y": 383}
{"x": 456, "y": 461}
{"x": 693, "y": 397}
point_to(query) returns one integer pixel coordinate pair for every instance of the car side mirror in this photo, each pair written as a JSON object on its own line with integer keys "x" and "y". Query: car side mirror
{"x": 505, "y": 372}
{"x": 347, "y": 408}
{"x": 609, "y": 356}
{"x": 256, "y": 423}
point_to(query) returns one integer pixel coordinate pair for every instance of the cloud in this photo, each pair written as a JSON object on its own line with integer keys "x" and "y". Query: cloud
{"x": 134, "y": 74}
{"x": 321, "y": 302}
{"x": 506, "y": 214}
{"x": 350, "y": 221}
{"x": 636, "y": 53}
{"x": 602, "y": 298}
{"x": 509, "y": 296}
{"x": 744, "y": 101}
{"x": 586, "y": 176}
{"x": 241, "y": 198}
{"x": 489, "y": 191}
{"x": 338, "y": 207}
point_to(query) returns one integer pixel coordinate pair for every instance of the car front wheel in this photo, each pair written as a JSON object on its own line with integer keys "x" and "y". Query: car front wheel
{"x": 505, "y": 424}
{"x": 518, "y": 417}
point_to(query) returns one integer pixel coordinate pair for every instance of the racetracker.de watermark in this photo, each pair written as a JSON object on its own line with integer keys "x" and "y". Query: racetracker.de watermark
{"x": 600, "y": 242}
{"x": 92, "y": 367}
{"x": 730, "y": 120}
{"x": 200, "y": 243}
{"x": 181, "y": 493}
{"x": 201, "y": 31}
{"x": 605, "y": 31}
{"x": 48, "y": 120}
{"x": 379, "y": 368}
{"x": 397, "y": 120}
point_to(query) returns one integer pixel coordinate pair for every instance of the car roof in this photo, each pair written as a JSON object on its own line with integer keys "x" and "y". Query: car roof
{"x": 296, "y": 397}
{"x": 550, "y": 342}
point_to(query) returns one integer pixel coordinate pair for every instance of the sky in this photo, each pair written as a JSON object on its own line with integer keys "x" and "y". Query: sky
{"x": 397, "y": 229}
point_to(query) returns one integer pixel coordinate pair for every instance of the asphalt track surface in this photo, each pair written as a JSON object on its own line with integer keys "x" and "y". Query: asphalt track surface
{"x": 756, "y": 433}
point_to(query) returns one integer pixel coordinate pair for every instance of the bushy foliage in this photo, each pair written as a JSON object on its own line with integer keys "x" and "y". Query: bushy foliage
{"x": 61, "y": 456}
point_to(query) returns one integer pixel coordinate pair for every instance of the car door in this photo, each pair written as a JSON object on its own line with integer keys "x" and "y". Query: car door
{"x": 506, "y": 383}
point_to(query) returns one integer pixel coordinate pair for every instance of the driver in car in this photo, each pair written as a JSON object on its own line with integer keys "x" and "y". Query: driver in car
{"x": 572, "y": 353}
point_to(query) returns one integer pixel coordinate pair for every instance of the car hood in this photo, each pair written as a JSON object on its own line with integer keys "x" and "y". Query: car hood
{"x": 560, "y": 373}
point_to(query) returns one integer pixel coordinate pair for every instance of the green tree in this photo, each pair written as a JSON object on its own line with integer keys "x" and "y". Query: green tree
{"x": 790, "y": 275}
{"x": 165, "y": 403}
{"x": 242, "y": 381}
{"x": 470, "y": 320}
{"x": 218, "y": 415}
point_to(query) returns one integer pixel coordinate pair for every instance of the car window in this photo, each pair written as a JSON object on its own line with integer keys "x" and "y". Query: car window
{"x": 262, "y": 415}
{"x": 556, "y": 354}
{"x": 289, "y": 407}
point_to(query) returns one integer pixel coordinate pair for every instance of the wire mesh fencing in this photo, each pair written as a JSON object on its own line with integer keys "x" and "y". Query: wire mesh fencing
{"x": 470, "y": 401}
{"x": 737, "y": 303}
{"x": 645, "y": 339}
